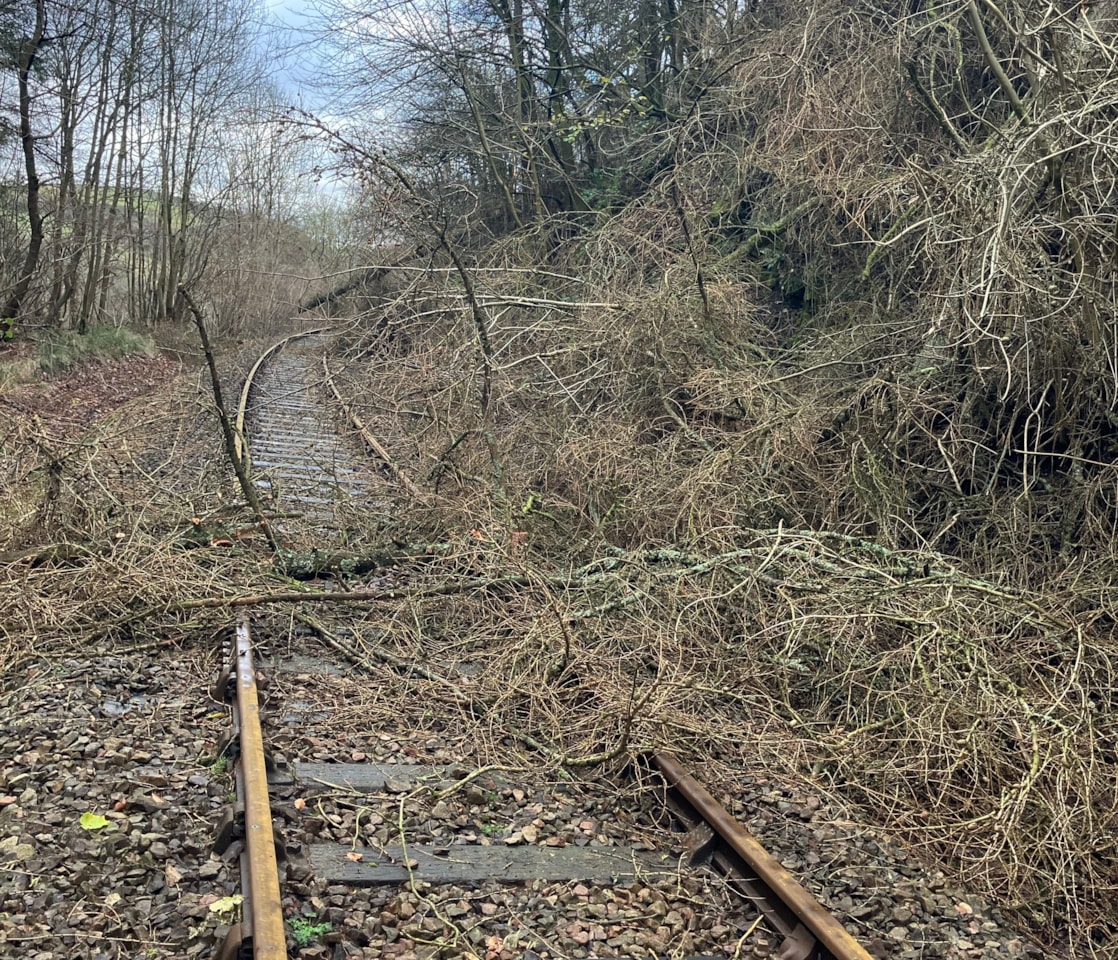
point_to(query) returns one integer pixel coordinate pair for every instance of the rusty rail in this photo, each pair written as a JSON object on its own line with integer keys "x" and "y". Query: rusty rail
{"x": 260, "y": 934}
{"x": 806, "y": 926}
{"x": 246, "y": 390}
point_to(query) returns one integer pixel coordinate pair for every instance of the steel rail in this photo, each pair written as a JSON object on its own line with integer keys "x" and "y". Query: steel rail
{"x": 806, "y": 925}
{"x": 260, "y": 934}
{"x": 242, "y": 405}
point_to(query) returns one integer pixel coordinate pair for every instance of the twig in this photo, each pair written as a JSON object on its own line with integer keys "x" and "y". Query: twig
{"x": 231, "y": 448}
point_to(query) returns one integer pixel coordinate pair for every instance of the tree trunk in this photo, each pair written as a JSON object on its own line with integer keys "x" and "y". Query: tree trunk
{"x": 28, "y": 50}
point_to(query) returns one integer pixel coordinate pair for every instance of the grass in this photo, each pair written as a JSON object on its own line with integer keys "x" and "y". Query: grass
{"x": 19, "y": 369}
{"x": 59, "y": 350}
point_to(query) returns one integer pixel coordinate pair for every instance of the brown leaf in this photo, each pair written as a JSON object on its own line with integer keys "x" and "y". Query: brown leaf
{"x": 355, "y": 856}
{"x": 171, "y": 875}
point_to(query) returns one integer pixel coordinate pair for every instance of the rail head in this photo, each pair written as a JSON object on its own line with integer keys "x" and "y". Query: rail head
{"x": 779, "y": 895}
{"x": 260, "y": 933}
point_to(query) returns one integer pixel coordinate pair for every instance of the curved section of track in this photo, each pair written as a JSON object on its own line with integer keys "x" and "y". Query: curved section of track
{"x": 302, "y": 463}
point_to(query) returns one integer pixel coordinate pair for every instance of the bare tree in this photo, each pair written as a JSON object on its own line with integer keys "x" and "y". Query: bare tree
{"x": 22, "y": 59}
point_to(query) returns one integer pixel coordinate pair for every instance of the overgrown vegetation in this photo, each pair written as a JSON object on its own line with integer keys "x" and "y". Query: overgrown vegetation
{"x": 819, "y": 401}
{"x": 58, "y": 350}
{"x": 757, "y": 370}
{"x": 304, "y": 932}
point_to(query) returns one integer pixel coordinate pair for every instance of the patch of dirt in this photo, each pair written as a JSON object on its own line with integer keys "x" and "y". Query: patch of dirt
{"x": 71, "y": 403}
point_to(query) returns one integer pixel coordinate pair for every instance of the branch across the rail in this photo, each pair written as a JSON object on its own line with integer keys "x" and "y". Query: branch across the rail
{"x": 786, "y": 560}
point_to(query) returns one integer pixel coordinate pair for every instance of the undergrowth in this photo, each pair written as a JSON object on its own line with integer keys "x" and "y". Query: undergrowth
{"x": 803, "y": 460}
{"x": 59, "y": 350}
{"x": 807, "y": 454}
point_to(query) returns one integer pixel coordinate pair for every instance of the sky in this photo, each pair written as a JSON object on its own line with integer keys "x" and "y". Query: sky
{"x": 297, "y": 67}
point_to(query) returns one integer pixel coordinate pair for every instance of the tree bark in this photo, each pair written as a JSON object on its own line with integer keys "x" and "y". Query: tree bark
{"x": 235, "y": 458}
{"x": 28, "y": 51}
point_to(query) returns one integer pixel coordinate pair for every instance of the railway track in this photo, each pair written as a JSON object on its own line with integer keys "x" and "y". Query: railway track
{"x": 300, "y": 461}
{"x": 428, "y": 836}
{"x": 770, "y": 899}
{"x": 108, "y": 786}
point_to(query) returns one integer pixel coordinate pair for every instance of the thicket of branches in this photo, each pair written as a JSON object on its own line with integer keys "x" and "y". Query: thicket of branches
{"x": 764, "y": 356}
{"x": 825, "y": 294}
{"x": 918, "y": 203}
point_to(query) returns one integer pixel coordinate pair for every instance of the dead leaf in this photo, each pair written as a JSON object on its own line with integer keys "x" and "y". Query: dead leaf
{"x": 171, "y": 875}
{"x": 354, "y": 856}
{"x": 92, "y": 821}
{"x": 227, "y": 906}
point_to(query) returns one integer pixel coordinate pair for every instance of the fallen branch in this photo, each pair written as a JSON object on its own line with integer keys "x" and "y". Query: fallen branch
{"x": 315, "y": 563}
{"x": 51, "y": 553}
{"x": 370, "y": 441}
{"x": 399, "y": 664}
{"x": 231, "y": 448}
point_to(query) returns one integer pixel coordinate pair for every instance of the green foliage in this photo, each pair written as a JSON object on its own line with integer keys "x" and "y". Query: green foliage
{"x": 604, "y": 190}
{"x": 304, "y": 931}
{"x": 61, "y": 349}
